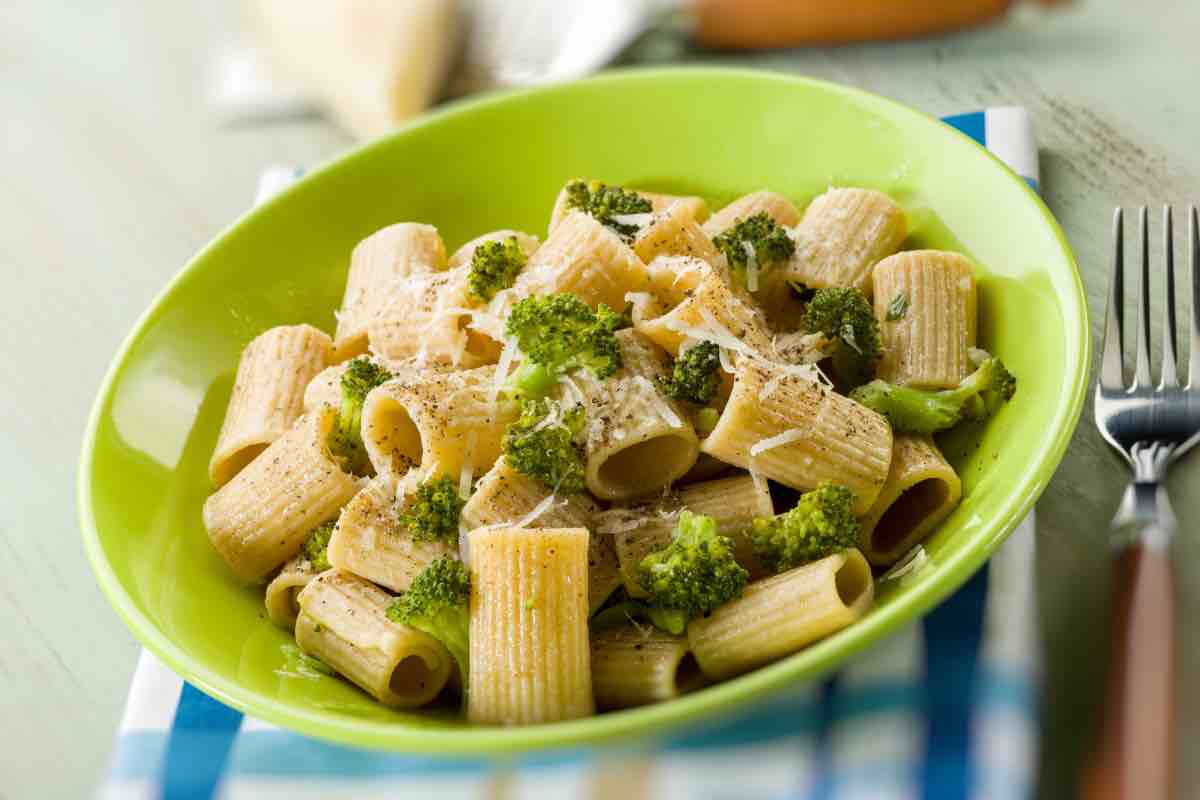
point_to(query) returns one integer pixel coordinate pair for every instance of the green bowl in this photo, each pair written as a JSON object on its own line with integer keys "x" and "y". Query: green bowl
{"x": 497, "y": 163}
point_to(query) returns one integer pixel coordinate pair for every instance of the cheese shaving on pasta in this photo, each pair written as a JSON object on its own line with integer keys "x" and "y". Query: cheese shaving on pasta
{"x": 778, "y": 440}
{"x": 468, "y": 469}
{"x": 639, "y": 220}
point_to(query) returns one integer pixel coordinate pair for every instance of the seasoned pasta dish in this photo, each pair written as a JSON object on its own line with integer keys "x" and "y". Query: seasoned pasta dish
{"x": 656, "y": 450}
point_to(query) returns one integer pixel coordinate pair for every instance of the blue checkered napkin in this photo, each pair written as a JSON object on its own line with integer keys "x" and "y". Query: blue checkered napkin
{"x": 944, "y": 709}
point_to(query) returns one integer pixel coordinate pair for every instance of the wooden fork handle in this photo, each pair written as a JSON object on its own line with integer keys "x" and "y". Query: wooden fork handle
{"x": 1133, "y": 757}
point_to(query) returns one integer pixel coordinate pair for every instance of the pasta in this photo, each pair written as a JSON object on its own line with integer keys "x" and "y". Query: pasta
{"x": 283, "y": 605}
{"x": 343, "y": 622}
{"x": 371, "y": 541}
{"x": 382, "y": 263}
{"x": 428, "y": 317}
{"x": 268, "y": 394}
{"x": 921, "y": 489}
{"x": 732, "y": 502}
{"x": 928, "y": 345}
{"x": 781, "y": 614}
{"x": 641, "y": 441}
{"x": 260, "y": 519}
{"x": 506, "y": 497}
{"x": 530, "y": 660}
{"x": 637, "y": 665}
{"x": 797, "y": 431}
{"x": 441, "y": 421}
{"x": 488, "y": 488}
{"x": 844, "y": 233}
{"x": 776, "y": 206}
{"x": 674, "y": 231}
{"x": 585, "y": 258}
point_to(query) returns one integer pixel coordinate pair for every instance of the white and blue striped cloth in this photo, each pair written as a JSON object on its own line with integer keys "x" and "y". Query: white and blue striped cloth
{"x": 945, "y": 709}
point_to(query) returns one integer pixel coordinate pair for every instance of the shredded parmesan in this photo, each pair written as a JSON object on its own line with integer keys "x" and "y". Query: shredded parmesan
{"x": 911, "y": 562}
{"x": 760, "y": 483}
{"x": 618, "y": 520}
{"x": 464, "y": 545}
{"x": 778, "y": 440}
{"x": 726, "y": 360}
{"x": 501, "y": 374}
{"x": 537, "y": 511}
{"x": 641, "y": 220}
{"x": 468, "y": 468}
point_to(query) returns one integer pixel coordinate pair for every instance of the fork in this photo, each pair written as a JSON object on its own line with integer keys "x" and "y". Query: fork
{"x": 1150, "y": 425}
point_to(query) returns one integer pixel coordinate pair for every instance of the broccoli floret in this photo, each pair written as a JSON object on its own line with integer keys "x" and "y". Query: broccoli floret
{"x": 844, "y": 314}
{"x": 606, "y": 202}
{"x": 766, "y": 237}
{"x": 316, "y": 547}
{"x": 820, "y": 524}
{"x": 547, "y": 452}
{"x": 345, "y": 441}
{"x": 558, "y": 333}
{"x": 434, "y": 512}
{"x": 436, "y": 603}
{"x": 494, "y": 266}
{"x": 692, "y": 575}
{"x": 694, "y": 377}
{"x": 923, "y": 411}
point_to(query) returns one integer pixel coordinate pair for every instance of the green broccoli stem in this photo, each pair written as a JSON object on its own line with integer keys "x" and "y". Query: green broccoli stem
{"x": 671, "y": 620}
{"x": 452, "y": 625}
{"x": 532, "y": 380}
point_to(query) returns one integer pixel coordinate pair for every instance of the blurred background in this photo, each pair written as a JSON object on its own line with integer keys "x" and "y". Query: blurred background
{"x": 133, "y": 132}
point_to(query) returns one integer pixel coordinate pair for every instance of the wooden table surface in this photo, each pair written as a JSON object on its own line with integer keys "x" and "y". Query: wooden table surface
{"x": 114, "y": 173}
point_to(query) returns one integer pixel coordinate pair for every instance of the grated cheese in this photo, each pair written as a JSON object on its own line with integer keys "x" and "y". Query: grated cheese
{"x": 641, "y": 219}
{"x": 911, "y": 562}
{"x": 664, "y": 408}
{"x": 778, "y": 440}
{"x": 468, "y": 469}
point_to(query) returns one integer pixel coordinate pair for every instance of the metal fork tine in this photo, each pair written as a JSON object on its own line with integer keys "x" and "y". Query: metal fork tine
{"x": 1112, "y": 372}
{"x": 1170, "y": 377}
{"x": 1141, "y": 374}
{"x": 1194, "y": 358}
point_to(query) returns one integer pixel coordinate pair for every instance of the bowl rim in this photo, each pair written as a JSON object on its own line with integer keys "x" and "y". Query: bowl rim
{"x": 645, "y": 721}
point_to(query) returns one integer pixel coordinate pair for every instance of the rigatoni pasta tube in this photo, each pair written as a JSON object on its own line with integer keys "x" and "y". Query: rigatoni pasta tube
{"x": 441, "y": 421}
{"x": 694, "y": 206}
{"x": 343, "y": 621}
{"x": 428, "y": 317}
{"x": 921, "y": 489}
{"x": 583, "y": 257}
{"x": 462, "y": 256}
{"x": 798, "y": 431}
{"x": 928, "y": 345}
{"x": 674, "y": 231}
{"x": 636, "y": 439}
{"x": 844, "y": 233}
{"x": 776, "y": 206}
{"x": 379, "y": 264}
{"x": 733, "y": 502}
{"x": 282, "y": 592}
{"x": 370, "y": 541}
{"x": 260, "y": 519}
{"x": 635, "y": 665}
{"x": 777, "y": 616}
{"x": 268, "y": 394}
{"x": 506, "y": 497}
{"x": 701, "y": 305}
{"x": 530, "y": 660}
